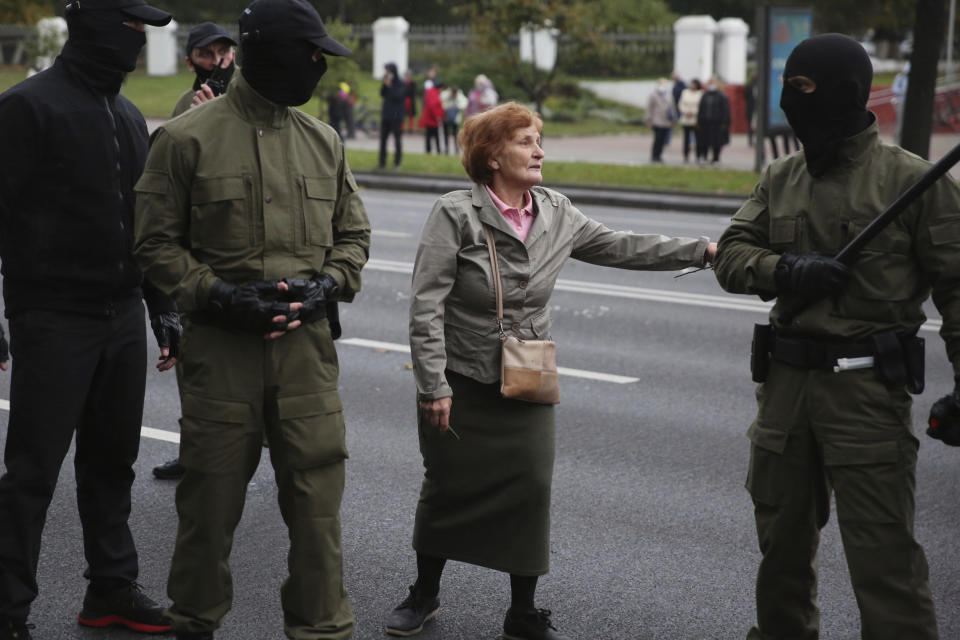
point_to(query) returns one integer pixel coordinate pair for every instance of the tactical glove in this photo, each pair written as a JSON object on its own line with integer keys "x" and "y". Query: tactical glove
{"x": 944, "y": 420}
{"x": 4, "y": 347}
{"x": 315, "y": 294}
{"x": 812, "y": 275}
{"x": 167, "y": 329}
{"x": 250, "y": 307}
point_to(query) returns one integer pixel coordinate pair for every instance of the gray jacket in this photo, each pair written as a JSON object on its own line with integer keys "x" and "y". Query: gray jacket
{"x": 453, "y": 306}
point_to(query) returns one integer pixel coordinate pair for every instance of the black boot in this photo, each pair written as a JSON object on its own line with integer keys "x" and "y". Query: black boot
{"x": 200, "y": 635}
{"x": 529, "y": 624}
{"x": 15, "y": 629}
{"x": 169, "y": 470}
{"x": 411, "y": 614}
{"x": 127, "y": 606}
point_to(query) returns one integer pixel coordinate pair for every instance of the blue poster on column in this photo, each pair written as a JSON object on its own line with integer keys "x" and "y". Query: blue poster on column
{"x": 788, "y": 27}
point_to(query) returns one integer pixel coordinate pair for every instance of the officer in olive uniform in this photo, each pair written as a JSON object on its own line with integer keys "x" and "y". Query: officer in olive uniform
{"x": 824, "y": 425}
{"x": 210, "y": 55}
{"x": 248, "y": 215}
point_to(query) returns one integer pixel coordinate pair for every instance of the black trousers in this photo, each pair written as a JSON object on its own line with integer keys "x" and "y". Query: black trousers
{"x": 449, "y": 129}
{"x": 431, "y": 133}
{"x": 689, "y": 140}
{"x": 659, "y": 141}
{"x": 712, "y": 140}
{"x": 388, "y": 127}
{"x": 71, "y": 374}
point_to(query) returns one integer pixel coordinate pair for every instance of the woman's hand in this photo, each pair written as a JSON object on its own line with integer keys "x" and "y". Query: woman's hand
{"x": 437, "y": 412}
{"x": 711, "y": 253}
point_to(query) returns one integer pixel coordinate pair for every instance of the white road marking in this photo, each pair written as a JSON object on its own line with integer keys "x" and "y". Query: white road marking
{"x": 146, "y": 432}
{"x": 564, "y": 371}
{"x": 735, "y": 303}
{"x": 160, "y": 434}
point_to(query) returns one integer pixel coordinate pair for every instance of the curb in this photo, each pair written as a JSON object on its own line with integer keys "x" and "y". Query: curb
{"x": 579, "y": 194}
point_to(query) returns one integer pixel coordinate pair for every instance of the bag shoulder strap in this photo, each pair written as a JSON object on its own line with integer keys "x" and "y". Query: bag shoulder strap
{"x": 492, "y": 249}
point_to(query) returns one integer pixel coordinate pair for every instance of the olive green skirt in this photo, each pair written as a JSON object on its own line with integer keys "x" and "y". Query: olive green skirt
{"x": 486, "y": 497}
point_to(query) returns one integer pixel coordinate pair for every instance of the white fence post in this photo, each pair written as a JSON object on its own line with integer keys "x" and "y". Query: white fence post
{"x": 162, "y": 50}
{"x": 390, "y": 44}
{"x": 693, "y": 47}
{"x": 539, "y": 46}
{"x": 732, "y": 50}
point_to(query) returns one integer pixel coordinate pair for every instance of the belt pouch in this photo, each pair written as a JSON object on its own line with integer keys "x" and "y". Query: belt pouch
{"x": 914, "y": 361}
{"x": 760, "y": 351}
{"x": 888, "y": 359}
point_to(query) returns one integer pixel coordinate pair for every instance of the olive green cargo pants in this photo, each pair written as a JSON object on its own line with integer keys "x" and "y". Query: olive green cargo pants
{"x": 236, "y": 387}
{"x": 817, "y": 433}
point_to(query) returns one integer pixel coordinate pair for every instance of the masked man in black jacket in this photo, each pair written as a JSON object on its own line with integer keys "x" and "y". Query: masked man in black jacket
{"x": 72, "y": 150}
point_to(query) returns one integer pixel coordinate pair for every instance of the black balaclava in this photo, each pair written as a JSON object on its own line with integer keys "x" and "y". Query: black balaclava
{"x": 104, "y": 46}
{"x": 203, "y": 75}
{"x": 282, "y": 71}
{"x": 837, "y": 108}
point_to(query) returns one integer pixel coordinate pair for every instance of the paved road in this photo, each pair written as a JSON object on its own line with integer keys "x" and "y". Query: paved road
{"x": 652, "y": 530}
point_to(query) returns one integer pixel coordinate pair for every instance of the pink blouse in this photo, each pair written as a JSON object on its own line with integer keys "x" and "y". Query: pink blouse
{"x": 520, "y": 219}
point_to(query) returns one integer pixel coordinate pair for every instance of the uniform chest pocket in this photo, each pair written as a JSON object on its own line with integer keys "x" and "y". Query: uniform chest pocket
{"x": 783, "y": 232}
{"x": 220, "y": 213}
{"x": 318, "y": 196}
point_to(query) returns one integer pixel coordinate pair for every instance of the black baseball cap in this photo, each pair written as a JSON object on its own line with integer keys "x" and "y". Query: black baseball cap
{"x": 138, "y": 9}
{"x": 205, "y": 33}
{"x": 273, "y": 20}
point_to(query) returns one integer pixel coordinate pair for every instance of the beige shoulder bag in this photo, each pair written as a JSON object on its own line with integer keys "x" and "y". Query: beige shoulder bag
{"x": 528, "y": 369}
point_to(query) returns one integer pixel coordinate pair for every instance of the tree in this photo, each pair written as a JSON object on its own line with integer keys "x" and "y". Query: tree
{"x": 23, "y": 11}
{"x": 495, "y": 22}
{"x": 928, "y": 30}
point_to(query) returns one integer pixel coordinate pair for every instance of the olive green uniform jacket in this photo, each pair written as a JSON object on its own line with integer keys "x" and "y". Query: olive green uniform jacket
{"x": 818, "y": 432}
{"x": 184, "y": 103}
{"x": 453, "y": 312}
{"x": 243, "y": 190}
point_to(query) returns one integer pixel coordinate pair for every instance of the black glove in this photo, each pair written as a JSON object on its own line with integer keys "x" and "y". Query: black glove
{"x": 944, "y": 420}
{"x": 4, "y": 347}
{"x": 249, "y": 307}
{"x": 167, "y": 329}
{"x": 812, "y": 275}
{"x": 314, "y": 293}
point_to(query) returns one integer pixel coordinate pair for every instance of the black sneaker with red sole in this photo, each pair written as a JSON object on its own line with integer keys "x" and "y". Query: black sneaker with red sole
{"x": 127, "y": 607}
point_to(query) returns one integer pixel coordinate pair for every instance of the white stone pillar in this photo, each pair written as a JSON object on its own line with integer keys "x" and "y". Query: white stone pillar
{"x": 539, "y": 46}
{"x": 693, "y": 47}
{"x": 390, "y": 44}
{"x": 162, "y": 52}
{"x": 732, "y": 50}
{"x": 51, "y": 34}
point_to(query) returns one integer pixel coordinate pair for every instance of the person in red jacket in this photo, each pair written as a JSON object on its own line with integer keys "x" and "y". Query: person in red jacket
{"x": 431, "y": 118}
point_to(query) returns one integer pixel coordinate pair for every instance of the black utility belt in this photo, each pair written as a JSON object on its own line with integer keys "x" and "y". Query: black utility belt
{"x": 898, "y": 358}
{"x": 814, "y": 354}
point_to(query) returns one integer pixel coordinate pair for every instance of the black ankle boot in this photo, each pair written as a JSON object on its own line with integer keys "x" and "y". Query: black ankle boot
{"x": 411, "y": 614}
{"x": 529, "y": 624}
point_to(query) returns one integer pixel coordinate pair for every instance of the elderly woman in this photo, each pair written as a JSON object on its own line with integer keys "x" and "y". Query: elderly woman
{"x": 489, "y": 460}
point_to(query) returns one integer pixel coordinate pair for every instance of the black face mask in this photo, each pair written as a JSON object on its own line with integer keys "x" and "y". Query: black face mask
{"x": 102, "y": 38}
{"x": 283, "y": 72}
{"x": 837, "y": 108}
{"x": 221, "y": 77}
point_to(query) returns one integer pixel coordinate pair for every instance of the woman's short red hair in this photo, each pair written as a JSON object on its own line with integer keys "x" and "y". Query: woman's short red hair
{"x": 484, "y": 135}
